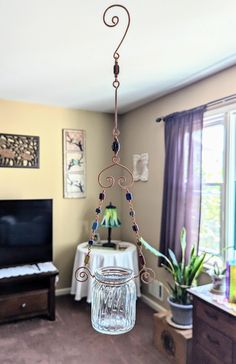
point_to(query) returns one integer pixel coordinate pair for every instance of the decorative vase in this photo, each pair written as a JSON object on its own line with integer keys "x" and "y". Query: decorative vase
{"x": 218, "y": 284}
{"x": 113, "y": 309}
{"x": 181, "y": 314}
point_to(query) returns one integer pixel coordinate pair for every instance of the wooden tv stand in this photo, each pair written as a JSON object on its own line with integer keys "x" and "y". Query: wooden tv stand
{"x": 26, "y": 296}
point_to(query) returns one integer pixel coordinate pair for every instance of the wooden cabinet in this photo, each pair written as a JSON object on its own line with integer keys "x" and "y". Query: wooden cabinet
{"x": 214, "y": 328}
{"x": 27, "y": 296}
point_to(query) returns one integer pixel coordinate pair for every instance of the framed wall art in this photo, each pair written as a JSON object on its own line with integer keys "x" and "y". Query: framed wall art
{"x": 74, "y": 163}
{"x": 19, "y": 151}
{"x": 140, "y": 167}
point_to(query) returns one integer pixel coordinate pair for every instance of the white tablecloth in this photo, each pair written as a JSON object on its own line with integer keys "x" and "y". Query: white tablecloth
{"x": 103, "y": 257}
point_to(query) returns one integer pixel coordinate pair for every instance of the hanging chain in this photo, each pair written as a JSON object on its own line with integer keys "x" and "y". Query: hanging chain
{"x": 146, "y": 274}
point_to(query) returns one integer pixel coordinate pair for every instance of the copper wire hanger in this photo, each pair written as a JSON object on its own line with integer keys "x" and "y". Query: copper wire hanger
{"x": 146, "y": 274}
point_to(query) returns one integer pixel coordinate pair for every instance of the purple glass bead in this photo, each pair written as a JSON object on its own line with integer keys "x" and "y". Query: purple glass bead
{"x": 116, "y": 69}
{"x": 101, "y": 196}
{"x": 115, "y": 146}
{"x": 129, "y": 196}
{"x": 141, "y": 260}
{"x": 90, "y": 242}
{"x": 95, "y": 225}
{"x": 135, "y": 227}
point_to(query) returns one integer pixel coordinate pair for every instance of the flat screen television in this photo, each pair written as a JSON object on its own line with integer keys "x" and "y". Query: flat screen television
{"x": 25, "y": 231}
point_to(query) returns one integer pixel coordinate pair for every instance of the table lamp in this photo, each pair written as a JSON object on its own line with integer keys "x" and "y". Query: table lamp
{"x": 110, "y": 220}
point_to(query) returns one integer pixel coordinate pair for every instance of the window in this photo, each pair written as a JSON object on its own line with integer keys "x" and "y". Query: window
{"x": 217, "y": 232}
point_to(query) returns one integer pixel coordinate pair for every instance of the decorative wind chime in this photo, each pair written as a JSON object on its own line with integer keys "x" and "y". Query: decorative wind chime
{"x": 113, "y": 306}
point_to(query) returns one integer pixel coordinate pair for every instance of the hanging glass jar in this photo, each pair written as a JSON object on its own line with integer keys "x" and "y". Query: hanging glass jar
{"x": 113, "y": 300}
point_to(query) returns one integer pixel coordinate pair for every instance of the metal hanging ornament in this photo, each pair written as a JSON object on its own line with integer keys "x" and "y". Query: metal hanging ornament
{"x": 106, "y": 182}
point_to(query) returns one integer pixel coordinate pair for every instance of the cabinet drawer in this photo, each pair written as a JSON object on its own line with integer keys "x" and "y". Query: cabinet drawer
{"x": 213, "y": 341}
{"x": 23, "y": 303}
{"x": 201, "y": 356}
{"x": 217, "y": 319}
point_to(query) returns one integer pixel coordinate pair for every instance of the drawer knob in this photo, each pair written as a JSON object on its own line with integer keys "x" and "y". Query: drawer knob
{"x": 212, "y": 340}
{"x": 23, "y": 305}
{"x": 212, "y": 315}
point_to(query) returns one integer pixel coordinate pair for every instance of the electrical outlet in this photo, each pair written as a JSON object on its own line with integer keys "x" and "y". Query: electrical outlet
{"x": 156, "y": 289}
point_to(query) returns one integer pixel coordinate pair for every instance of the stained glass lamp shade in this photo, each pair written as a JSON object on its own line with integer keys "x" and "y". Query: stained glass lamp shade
{"x": 110, "y": 220}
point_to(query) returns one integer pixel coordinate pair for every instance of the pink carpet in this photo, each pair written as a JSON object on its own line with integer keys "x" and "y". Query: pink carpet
{"x": 71, "y": 340}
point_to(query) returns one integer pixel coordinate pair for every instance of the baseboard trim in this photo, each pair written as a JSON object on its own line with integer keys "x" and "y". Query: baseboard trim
{"x": 153, "y": 304}
{"x": 62, "y": 291}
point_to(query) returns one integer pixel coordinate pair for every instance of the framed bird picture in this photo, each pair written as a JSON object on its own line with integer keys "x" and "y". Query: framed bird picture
{"x": 74, "y": 152}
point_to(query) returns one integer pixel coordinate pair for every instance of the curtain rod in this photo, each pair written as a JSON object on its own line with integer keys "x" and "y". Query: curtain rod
{"x": 212, "y": 104}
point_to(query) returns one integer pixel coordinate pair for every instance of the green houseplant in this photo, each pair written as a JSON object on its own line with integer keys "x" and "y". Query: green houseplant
{"x": 184, "y": 274}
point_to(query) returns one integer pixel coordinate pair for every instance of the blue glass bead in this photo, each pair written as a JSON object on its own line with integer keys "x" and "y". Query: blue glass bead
{"x": 129, "y": 196}
{"x": 132, "y": 213}
{"x": 98, "y": 210}
{"x": 101, "y": 196}
{"x": 95, "y": 225}
{"x": 90, "y": 242}
{"x": 135, "y": 227}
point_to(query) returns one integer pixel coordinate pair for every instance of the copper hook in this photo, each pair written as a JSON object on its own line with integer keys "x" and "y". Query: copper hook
{"x": 115, "y": 20}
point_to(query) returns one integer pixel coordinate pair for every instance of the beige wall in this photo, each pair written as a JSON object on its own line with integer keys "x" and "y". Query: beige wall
{"x": 140, "y": 133}
{"x": 72, "y": 217}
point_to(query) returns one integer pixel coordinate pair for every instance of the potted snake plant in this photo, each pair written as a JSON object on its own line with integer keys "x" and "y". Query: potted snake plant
{"x": 184, "y": 274}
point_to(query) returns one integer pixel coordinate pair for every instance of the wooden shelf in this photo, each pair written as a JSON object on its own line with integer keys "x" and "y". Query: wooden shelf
{"x": 27, "y": 296}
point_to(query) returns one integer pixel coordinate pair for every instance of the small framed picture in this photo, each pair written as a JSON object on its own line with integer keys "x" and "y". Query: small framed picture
{"x": 74, "y": 150}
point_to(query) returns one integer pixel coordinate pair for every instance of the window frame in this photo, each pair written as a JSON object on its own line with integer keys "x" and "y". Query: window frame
{"x": 227, "y": 230}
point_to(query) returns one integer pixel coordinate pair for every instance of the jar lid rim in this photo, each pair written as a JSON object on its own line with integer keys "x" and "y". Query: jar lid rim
{"x": 113, "y": 275}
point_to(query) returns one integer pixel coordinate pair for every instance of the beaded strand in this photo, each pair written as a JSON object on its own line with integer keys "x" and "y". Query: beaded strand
{"x": 95, "y": 226}
{"x": 135, "y": 228}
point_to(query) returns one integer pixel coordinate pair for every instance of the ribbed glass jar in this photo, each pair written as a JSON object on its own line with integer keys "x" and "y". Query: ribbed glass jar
{"x": 113, "y": 300}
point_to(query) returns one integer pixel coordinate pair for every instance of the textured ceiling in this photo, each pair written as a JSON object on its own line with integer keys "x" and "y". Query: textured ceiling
{"x": 59, "y": 52}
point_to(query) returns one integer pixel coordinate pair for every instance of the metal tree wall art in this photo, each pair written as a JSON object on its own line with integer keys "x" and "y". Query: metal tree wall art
{"x": 19, "y": 151}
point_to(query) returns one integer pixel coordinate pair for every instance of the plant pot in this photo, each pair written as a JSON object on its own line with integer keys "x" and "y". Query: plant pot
{"x": 218, "y": 284}
{"x": 181, "y": 314}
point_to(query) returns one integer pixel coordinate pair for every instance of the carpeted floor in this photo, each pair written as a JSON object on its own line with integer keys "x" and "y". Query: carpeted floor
{"x": 71, "y": 340}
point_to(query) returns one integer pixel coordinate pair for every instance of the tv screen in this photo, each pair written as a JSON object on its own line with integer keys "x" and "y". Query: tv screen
{"x": 25, "y": 232}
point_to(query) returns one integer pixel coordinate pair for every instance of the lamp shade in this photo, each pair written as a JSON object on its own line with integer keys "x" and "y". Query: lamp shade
{"x": 110, "y": 218}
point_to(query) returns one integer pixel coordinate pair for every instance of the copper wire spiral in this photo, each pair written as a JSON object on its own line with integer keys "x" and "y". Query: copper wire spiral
{"x": 82, "y": 274}
{"x": 121, "y": 180}
{"x": 147, "y": 275}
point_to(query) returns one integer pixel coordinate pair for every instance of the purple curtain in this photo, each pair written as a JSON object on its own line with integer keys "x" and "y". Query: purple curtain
{"x": 182, "y": 179}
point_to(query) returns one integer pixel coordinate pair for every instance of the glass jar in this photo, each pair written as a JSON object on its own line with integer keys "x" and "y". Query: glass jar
{"x": 113, "y": 300}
